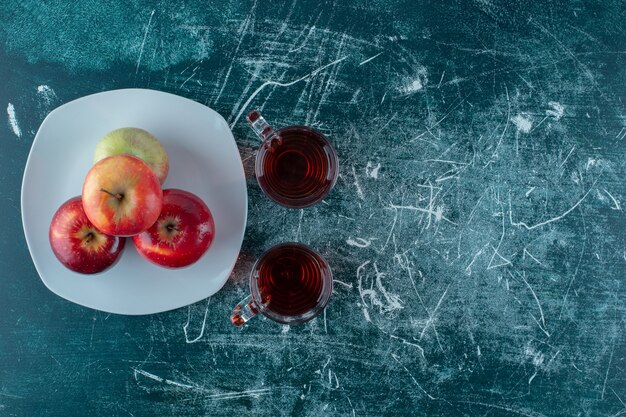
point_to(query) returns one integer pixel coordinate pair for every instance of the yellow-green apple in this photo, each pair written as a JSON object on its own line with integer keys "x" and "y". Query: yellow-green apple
{"x": 136, "y": 142}
{"x": 182, "y": 234}
{"x": 122, "y": 196}
{"x": 77, "y": 243}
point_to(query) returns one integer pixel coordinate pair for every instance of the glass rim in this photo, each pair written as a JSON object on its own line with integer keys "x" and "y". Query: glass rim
{"x": 325, "y": 293}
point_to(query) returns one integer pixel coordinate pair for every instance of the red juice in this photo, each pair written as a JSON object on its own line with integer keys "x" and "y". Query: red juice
{"x": 290, "y": 280}
{"x": 298, "y": 168}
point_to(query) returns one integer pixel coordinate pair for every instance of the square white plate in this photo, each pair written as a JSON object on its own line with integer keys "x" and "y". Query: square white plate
{"x": 204, "y": 160}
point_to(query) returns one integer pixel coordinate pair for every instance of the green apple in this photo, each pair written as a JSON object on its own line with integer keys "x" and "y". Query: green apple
{"x": 136, "y": 142}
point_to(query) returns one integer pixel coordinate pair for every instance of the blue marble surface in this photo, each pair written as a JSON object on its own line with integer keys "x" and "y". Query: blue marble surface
{"x": 476, "y": 232}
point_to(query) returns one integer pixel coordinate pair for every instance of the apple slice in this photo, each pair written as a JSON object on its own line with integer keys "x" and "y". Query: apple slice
{"x": 136, "y": 142}
{"x": 122, "y": 196}
{"x": 181, "y": 235}
{"x": 77, "y": 243}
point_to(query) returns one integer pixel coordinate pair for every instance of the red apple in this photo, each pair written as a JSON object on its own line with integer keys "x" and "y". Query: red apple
{"x": 181, "y": 235}
{"x": 78, "y": 244}
{"x": 122, "y": 196}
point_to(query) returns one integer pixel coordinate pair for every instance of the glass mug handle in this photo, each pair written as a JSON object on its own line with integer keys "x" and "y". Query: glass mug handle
{"x": 263, "y": 130}
{"x": 244, "y": 311}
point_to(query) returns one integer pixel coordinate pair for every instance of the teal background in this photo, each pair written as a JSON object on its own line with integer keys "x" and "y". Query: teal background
{"x": 476, "y": 231}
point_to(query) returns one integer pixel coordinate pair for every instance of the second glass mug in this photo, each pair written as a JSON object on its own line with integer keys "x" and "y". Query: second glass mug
{"x": 296, "y": 167}
{"x": 290, "y": 283}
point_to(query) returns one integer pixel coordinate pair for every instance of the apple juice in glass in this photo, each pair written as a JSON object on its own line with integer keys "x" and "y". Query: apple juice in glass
{"x": 290, "y": 283}
{"x": 296, "y": 166}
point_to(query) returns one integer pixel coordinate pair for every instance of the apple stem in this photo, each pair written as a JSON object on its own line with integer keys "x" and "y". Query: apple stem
{"x": 118, "y": 195}
{"x": 171, "y": 227}
{"x": 89, "y": 237}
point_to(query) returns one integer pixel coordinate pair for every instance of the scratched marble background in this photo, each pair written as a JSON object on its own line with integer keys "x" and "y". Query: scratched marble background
{"x": 476, "y": 232}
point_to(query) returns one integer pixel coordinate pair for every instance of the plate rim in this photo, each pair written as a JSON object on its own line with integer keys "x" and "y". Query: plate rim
{"x": 28, "y": 164}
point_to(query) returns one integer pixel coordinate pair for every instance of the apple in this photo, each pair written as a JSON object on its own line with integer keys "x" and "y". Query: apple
{"x": 136, "y": 142}
{"x": 182, "y": 234}
{"x": 78, "y": 244}
{"x": 122, "y": 196}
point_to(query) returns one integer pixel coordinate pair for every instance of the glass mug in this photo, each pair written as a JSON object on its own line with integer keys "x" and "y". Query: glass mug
{"x": 296, "y": 166}
{"x": 290, "y": 283}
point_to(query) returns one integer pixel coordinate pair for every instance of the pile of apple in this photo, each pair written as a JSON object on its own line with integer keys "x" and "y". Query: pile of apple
{"x": 122, "y": 197}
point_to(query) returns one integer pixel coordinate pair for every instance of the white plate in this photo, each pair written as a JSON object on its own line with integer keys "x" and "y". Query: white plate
{"x": 203, "y": 159}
